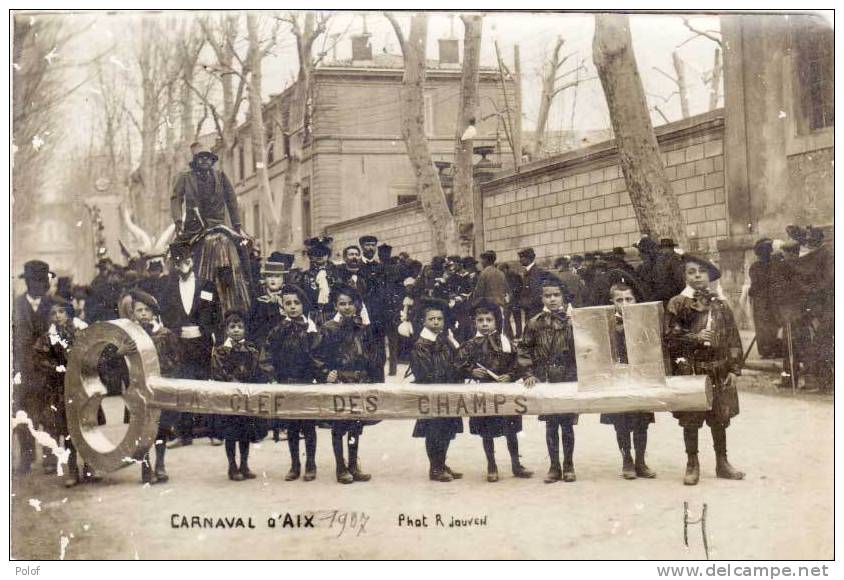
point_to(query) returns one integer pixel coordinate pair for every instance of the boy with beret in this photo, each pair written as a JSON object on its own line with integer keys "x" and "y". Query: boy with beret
{"x": 546, "y": 354}
{"x": 288, "y": 355}
{"x": 702, "y": 338}
{"x": 490, "y": 357}
{"x": 627, "y": 423}
{"x": 347, "y": 353}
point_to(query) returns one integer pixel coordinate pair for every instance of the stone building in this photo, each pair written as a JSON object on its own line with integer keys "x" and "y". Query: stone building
{"x": 353, "y": 160}
{"x": 740, "y": 173}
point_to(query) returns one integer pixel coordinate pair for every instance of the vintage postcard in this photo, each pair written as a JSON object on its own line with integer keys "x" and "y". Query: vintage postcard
{"x": 295, "y": 285}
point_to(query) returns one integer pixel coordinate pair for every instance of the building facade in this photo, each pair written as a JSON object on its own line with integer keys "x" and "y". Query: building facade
{"x": 352, "y": 157}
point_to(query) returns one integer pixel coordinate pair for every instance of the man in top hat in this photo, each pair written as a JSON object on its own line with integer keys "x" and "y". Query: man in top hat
{"x": 266, "y": 309}
{"x": 531, "y": 295}
{"x": 30, "y": 320}
{"x": 201, "y": 197}
{"x": 319, "y": 279}
{"x": 667, "y": 277}
{"x": 190, "y": 309}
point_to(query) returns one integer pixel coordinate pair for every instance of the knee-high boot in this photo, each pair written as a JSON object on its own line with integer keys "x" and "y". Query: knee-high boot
{"x": 343, "y": 475}
{"x": 640, "y": 442}
{"x": 293, "y": 446}
{"x": 690, "y": 438}
{"x": 723, "y": 469}
{"x": 354, "y": 462}
{"x": 622, "y": 437}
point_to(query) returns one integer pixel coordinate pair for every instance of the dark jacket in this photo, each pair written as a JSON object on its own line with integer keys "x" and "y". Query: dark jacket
{"x": 288, "y": 355}
{"x": 203, "y": 312}
{"x": 264, "y": 317}
{"x": 547, "y": 348}
{"x": 193, "y": 209}
{"x": 492, "y": 284}
{"x": 531, "y": 295}
{"x": 27, "y": 327}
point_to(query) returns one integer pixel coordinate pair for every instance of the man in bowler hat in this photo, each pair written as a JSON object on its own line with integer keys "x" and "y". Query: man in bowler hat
{"x": 30, "y": 320}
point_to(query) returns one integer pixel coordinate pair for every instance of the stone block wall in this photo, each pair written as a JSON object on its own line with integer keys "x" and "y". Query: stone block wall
{"x": 403, "y": 227}
{"x": 578, "y": 201}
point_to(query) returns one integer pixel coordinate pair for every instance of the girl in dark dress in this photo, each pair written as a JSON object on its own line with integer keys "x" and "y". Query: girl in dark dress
{"x": 489, "y": 357}
{"x": 703, "y": 338}
{"x": 628, "y": 423}
{"x": 433, "y": 360}
{"x": 144, "y": 310}
{"x": 347, "y": 354}
{"x": 236, "y": 361}
{"x": 51, "y": 353}
{"x": 288, "y": 356}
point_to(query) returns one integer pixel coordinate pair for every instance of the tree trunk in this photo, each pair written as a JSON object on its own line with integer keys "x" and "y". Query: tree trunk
{"x": 257, "y": 129}
{"x": 464, "y": 211}
{"x": 682, "y": 89}
{"x": 517, "y": 116}
{"x": 715, "y": 81}
{"x": 549, "y": 78}
{"x": 657, "y": 211}
{"x": 443, "y": 226}
{"x": 298, "y": 122}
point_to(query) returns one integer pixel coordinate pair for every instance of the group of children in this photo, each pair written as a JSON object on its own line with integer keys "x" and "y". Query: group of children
{"x": 701, "y": 337}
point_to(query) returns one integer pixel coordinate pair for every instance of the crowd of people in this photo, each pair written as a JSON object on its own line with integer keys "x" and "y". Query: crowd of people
{"x": 792, "y": 290}
{"x": 222, "y": 313}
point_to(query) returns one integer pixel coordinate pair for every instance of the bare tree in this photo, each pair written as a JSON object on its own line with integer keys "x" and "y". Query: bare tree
{"x": 157, "y": 73}
{"x": 222, "y": 36}
{"x": 37, "y": 93}
{"x": 656, "y": 207}
{"x": 257, "y": 51}
{"x": 443, "y": 225}
{"x": 679, "y": 79}
{"x": 712, "y": 78}
{"x": 508, "y": 122}
{"x": 551, "y": 87}
{"x": 307, "y": 28}
{"x": 464, "y": 210}
{"x": 190, "y": 44}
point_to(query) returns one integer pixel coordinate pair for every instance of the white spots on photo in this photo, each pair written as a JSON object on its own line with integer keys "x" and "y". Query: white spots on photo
{"x": 64, "y": 541}
{"x": 36, "y": 503}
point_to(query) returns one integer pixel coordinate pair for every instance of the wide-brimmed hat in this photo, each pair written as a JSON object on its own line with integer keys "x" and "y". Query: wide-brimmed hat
{"x": 714, "y": 272}
{"x": 36, "y": 269}
{"x": 367, "y": 239}
{"x": 278, "y": 263}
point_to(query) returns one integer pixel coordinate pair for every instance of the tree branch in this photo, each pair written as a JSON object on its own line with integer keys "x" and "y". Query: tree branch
{"x": 710, "y": 34}
{"x": 666, "y": 75}
{"x": 569, "y": 85}
{"x": 397, "y": 27}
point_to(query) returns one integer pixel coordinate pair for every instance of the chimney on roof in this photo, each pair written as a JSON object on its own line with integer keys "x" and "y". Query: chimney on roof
{"x": 449, "y": 50}
{"x": 361, "y": 49}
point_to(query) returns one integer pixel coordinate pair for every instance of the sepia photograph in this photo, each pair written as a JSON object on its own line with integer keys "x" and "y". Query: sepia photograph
{"x": 422, "y": 285}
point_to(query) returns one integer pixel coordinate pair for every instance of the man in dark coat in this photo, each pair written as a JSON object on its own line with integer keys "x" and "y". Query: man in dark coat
{"x": 201, "y": 197}
{"x": 667, "y": 278}
{"x": 573, "y": 283}
{"x": 190, "y": 310}
{"x": 391, "y": 293}
{"x": 531, "y": 295}
{"x": 765, "y": 313}
{"x": 30, "y": 320}
{"x": 647, "y": 252}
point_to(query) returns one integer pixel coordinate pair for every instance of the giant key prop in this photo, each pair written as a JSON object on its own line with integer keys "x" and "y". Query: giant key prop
{"x": 604, "y": 386}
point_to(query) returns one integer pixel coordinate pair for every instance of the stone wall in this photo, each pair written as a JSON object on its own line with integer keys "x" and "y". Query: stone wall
{"x": 403, "y": 227}
{"x": 578, "y": 201}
